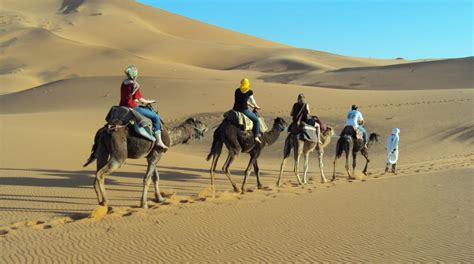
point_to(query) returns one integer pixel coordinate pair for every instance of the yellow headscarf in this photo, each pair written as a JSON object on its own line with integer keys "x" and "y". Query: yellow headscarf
{"x": 244, "y": 85}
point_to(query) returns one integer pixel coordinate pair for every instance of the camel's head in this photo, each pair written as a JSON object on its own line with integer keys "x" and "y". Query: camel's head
{"x": 199, "y": 128}
{"x": 280, "y": 124}
{"x": 329, "y": 132}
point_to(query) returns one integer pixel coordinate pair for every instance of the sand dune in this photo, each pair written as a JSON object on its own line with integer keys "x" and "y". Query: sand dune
{"x": 61, "y": 65}
{"x": 440, "y": 74}
{"x": 158, "y": 42}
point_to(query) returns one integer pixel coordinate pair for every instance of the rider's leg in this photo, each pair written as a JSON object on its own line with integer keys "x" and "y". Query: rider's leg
{"x": 318, "y": 132}
{"x": 364, "y": 134}
{"x": 155, "y": 118}
{"x": 256, "y": 123}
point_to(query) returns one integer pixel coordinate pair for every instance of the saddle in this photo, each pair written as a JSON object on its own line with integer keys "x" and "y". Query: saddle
{"x": 126, "y": 116}
{"x": 242, "y": 121}
{"x": 307, "y": 130}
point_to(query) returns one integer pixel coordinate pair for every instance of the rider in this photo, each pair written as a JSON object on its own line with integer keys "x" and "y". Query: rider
{"x": 243, "y": 98}
{"x": 354, "y": 118}
{"x": 300, "y": 113}
{"x": 130, "y": 96}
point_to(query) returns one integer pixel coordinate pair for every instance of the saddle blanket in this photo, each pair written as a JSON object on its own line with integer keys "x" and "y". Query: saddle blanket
{"x": 124, "y": 115}
{"x": 242, "y": 120}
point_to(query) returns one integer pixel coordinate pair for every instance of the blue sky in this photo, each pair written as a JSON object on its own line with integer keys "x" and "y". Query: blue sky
{"x": 410, "y": 29}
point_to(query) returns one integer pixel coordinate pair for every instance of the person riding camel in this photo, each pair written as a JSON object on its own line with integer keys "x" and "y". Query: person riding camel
{"x": 354, "y": 118}
{"x": 243, "y": 98}
{"x": 130, "y": 96}
{"x": 300, "y": 113}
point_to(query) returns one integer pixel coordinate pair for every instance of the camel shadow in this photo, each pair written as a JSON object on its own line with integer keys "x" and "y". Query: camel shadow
{"x": 70, "y": 6}
{"x": 83, "y": 178}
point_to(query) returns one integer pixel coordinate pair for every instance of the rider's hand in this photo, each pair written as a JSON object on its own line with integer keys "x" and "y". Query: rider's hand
{"x": 257, "y": 107}
{"x": 151, "y": 101}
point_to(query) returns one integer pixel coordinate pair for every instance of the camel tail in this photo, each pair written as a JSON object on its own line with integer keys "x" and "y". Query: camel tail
{"x": 343, "y": 144}
{"x": 217, "y": 144}
{"x": 93, "y": 155}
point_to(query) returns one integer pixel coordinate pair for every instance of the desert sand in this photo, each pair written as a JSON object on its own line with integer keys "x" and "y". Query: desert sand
{"x": 61, "y": 65}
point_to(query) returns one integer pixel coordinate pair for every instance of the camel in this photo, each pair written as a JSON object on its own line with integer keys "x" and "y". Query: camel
{"x": 304, "y": 147}
{"x": 113, "y": 146}
{"x": 237, "y": 141}
{"x": 348, "y": 142}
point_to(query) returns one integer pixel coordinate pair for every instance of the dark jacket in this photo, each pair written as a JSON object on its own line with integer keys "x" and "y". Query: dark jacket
{"x": 241, "y": 100}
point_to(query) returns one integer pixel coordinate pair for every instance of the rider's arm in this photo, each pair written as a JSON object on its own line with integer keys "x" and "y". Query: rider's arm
{"x": 253, "y": 103}
{"x": 307, "y": 108}
{"x": 361, "y": 119}
{"x": 144, "y": 101}
{"x": 137, "y": 97}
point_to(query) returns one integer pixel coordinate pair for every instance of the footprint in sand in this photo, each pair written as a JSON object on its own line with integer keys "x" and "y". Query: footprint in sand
{"x": 3, "y": 232}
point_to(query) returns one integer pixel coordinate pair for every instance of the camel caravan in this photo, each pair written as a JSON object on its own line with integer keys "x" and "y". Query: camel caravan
{"x": 135, "y": 130}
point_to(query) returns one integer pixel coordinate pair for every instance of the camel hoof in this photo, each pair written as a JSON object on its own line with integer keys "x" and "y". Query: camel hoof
{"x": 324, "y": 181}
{"x": 99, "y": 212}
{"x": 144, "y": 206}
{"x": 159, "y": 200}
{"x": 259, "y": 186}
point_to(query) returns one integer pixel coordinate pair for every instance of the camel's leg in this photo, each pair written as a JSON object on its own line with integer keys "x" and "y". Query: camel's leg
{"x": 257, "y": 173}
{"x": 297, "y": 153}
{"x": 334, "y": 169}
{"x": 248, "y": 170}
{"x": 226, "y": 161}
{"x": 282, "y": 167}
{"x": 156, "y": 183}
{"x": 306, "y": 167}
{"x": 215, "y": 159}
{"x": 102, "y": 157}
{"x": 227, "y": 170}
{"x": 146, "y": 183}
{"x": 286, "y": 154}
{"x": 321, "y": 166}
{"x": 365, "y": 153}
{"x": 347, "y": 165}
{"x": 354, "y": 163}
{"x": 111, "y": 166}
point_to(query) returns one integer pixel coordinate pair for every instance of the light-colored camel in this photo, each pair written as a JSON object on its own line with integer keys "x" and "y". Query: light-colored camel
{"x": 304, "y": 147}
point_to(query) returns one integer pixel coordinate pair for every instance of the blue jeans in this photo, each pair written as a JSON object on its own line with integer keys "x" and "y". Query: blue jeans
{"x": 255, "y": 120}
{"x": 153, "y": 116}
{"x": 364, "y": 133}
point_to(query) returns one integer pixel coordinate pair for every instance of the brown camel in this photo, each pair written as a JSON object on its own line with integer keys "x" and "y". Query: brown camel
{"x": 238, "y": 141}
{"x": 304, "y": 147}
{"x": 113, "y": 146}
{"x": 348, "y": 142}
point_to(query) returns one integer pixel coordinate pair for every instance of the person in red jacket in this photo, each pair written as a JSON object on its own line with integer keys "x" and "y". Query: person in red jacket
{"x": 130, "y": 96}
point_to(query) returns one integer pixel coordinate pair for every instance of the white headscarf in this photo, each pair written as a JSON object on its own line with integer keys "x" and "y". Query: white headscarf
{"x": 392, "y": 146}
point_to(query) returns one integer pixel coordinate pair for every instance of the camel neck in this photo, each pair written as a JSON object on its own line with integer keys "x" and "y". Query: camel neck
{"x": 271, "y": 136}
{"x": 179, "y": 135}
{"x": 326, "y": 139}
